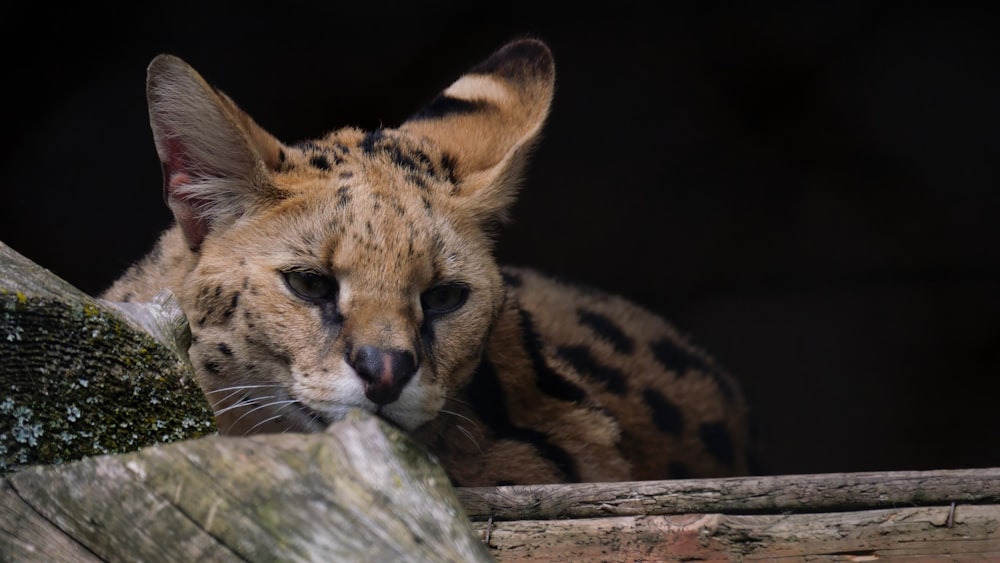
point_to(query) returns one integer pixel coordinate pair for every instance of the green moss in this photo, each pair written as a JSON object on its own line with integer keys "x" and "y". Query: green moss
{"x": 77, "y": 381}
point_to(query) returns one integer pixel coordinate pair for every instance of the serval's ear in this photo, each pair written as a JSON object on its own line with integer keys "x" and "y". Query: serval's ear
{"x": 216, "y": 160}
{"x": 487, "y": 122}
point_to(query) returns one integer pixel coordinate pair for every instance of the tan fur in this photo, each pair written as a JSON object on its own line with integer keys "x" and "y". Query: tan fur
{"x": 356, "y": 271}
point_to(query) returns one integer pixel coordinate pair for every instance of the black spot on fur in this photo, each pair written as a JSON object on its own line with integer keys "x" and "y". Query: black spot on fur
{"x": 283, "y": 164}
{"x": 666, "y": 416}
{"x": 417, "y": 180}
{"x": 228, "y": 312}
{"x": 425, "y": 161}
{"x": 403, "y": 154}
{"x": 370, "y": 140}
{"x": 248, "y": 318}
{"x": 224, "y": 349}
{"x": 548, "y": 381}
{"x": 320, "y": 161}
{"x": 401, "y": 158}
{"x": 511, "y": 279}
{"x": 346, "y": 175}
{"x": 448, "y": 164}
{"x": 585, "y": 364}
{"x": 343, "y": 196}
{"x": 606, "y": 330}
{"x": 443, "y": 106}
{"x": 397, "y": 207}
{"x": 487, "y": 398}
{"x": 212, "y": 366}
{"x": 718, "y": 442}
{"x": 677, "y": 359}
{"x": 128, "y": 297}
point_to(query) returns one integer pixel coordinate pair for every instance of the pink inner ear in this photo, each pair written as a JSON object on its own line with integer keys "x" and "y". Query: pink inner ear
{"x": 177, "y": 179}
{"x": 187, "y": 208}
{"x": 194, "y": 227}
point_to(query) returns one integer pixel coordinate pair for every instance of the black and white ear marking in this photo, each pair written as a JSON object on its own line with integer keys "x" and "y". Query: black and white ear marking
{"x": 488, "y": 120}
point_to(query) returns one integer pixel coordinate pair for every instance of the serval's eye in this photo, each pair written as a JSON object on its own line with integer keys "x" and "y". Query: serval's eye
{"x": 311, "y": 286}
{"x": 444, "y": 298}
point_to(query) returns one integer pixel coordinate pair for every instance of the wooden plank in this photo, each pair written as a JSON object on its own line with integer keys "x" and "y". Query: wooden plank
{"x": 115, "y": 515}
{"x": 918, "y": 533}
{"x": 360, "y": 492}
{"x": 21, "y": 528}
{"x": 741, "y": 495}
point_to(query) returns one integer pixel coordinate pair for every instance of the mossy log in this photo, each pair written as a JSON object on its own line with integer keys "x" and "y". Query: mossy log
{"x": 82, "y": 377}
{"x": 362, "y": 491}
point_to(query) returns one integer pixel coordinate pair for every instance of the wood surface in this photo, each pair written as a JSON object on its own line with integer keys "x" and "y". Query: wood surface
{"x": 81, "y": 376}
{"x": 359, "y": 492}
{"x": 738, "y": 495}
{"x": 915, "y": 534}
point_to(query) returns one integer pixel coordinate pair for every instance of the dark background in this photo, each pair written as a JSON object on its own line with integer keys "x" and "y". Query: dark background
{"x": 811, "y": 191}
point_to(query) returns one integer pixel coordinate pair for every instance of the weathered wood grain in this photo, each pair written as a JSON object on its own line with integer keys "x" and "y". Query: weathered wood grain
{"x": 915, "y": 534}
{"x": 740, "y": 495}
{"x": 360, "y": 492}
{"x": 81, "y": 377}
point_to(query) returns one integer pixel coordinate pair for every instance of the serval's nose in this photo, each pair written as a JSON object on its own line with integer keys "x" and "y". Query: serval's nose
{"x": 384, "y": 371}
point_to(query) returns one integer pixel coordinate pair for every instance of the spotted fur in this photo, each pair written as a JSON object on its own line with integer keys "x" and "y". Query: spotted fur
{"x": 355, "y": 271}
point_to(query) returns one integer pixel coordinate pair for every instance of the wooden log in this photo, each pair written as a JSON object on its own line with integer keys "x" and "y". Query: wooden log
{"x": 360, "y": 492}
{"x": 82, "y": 377}
{"x": 738, "y": 495}
{"x": 921, "y": 533}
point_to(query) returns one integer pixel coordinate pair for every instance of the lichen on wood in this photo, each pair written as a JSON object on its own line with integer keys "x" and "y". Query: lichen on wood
{"x": 82, "y": 377}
